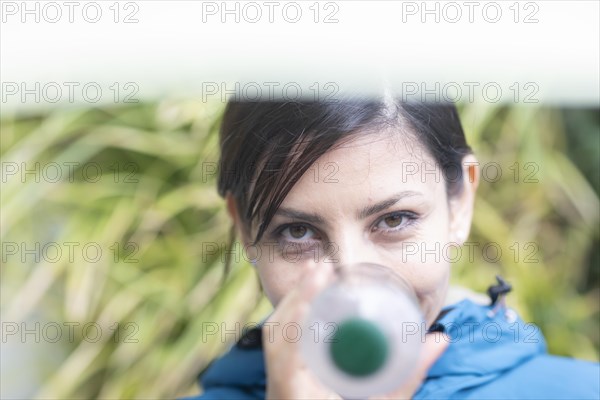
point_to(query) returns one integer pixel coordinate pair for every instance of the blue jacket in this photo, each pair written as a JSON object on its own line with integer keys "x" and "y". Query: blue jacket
{"x": 489, "y": 357}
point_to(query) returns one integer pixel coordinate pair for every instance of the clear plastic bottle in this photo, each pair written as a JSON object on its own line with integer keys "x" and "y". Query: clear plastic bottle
{"x": 363, "y": 333}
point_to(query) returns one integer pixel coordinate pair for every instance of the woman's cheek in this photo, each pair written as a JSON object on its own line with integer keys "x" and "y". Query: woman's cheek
{"x": 431, "y": 291}
{"x": 278, "y": 278}
{"x": 272, "y": 286}
{"x": 428, "y": 273}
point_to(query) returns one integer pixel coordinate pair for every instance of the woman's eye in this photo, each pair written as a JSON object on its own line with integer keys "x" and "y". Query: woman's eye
{"x": 393, "y": 221}
{"x": 396, "y": 221}
{"x": 297, "y": 232}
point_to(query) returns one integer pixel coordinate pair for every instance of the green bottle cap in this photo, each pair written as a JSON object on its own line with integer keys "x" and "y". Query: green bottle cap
{"x": 359, "y": 347}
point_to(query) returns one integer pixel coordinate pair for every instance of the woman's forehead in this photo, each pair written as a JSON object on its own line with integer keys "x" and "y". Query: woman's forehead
{"x": 367, "y": 167}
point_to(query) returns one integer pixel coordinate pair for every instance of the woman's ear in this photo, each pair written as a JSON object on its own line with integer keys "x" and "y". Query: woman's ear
{"x": 461, "y": 204}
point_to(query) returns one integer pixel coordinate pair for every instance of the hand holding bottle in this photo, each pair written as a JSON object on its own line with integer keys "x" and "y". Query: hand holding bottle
{"x": 368, "y": 330}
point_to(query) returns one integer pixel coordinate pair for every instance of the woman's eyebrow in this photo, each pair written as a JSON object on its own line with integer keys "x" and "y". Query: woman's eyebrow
{"x": 364, "y": 213}
{"x": 297, "y": 214}
{"x": 382, "y": 205}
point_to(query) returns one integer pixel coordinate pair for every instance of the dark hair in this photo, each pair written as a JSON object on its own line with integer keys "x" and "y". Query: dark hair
{"x": 267, "y": 146}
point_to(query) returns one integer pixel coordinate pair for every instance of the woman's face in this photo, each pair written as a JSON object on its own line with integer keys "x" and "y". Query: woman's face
{"x": 375, "y": 199}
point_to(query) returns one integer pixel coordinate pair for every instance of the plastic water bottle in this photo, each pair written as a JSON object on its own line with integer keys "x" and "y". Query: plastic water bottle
{"x": 362, "y": 336}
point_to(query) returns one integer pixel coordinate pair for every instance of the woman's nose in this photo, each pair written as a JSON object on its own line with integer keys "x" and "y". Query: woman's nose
{"x": 352, "y": 249}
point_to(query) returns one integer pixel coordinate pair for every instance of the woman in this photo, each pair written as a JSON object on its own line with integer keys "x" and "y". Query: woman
{"x": 318, "y": 184}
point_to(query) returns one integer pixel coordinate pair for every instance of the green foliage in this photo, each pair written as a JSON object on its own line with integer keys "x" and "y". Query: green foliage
{"x": 154, "y": 213}
{"x": 543, "y": 214}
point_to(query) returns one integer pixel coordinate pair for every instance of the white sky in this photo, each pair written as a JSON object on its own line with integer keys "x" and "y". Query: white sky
{"x": 184, "y": 48}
